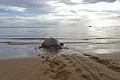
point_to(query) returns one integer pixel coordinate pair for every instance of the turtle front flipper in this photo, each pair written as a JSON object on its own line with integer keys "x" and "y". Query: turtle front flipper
{"x": 41, "y": 46}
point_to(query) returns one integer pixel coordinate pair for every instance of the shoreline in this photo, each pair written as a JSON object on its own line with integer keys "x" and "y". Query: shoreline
{"x": 65, "y": 67}
{"x": 102, "y": 56}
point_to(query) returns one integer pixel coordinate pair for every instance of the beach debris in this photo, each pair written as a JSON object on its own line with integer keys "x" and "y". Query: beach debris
{"x": 39, "y": 54}
{"x": 52, "y": 43}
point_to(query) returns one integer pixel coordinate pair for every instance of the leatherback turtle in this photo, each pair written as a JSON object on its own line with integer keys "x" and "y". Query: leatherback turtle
{"x": 52, "y": 43}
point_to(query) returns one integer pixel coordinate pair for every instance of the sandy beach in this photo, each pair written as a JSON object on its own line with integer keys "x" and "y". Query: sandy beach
{"x": 64, "y": 67}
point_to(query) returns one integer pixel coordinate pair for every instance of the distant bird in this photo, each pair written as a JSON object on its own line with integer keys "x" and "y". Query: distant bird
{"x": 90, "y": 26}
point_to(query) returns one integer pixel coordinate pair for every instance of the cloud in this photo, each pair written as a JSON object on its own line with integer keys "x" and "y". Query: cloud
{"x": 12, "y": 8}
{"x": 23, "y": 3}
{"x": 30, "y": 6}
{"x": 70, "y": 2}
{"x": 96, "y": 1}
{"x": 75, "y": 2}
{"x": 56, "y": 12}
{"x": 34, "y": 21}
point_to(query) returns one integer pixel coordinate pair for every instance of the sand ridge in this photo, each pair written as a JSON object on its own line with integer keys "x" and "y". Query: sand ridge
{"x": 63, "y": 67}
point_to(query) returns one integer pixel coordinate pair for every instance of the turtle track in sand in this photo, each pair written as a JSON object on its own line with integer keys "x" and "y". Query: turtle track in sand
{"x": 111, "y": 64}
{"x": 73, "y": 67}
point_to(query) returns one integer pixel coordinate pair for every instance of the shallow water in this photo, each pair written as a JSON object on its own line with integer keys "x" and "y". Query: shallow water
{"x": 20, "y": 42}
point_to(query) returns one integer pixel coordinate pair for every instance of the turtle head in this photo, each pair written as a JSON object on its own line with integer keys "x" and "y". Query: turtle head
{"x": 61, "y": 45}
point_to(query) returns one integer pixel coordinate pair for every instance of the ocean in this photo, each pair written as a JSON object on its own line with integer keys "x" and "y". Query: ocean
{"x": 20, "y": 42}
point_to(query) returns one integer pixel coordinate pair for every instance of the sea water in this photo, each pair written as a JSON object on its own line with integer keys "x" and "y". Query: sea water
{"x": 18, "y": 42}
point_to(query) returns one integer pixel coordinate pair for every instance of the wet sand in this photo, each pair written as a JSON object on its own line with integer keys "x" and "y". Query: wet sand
{"x": 64, "y": 67}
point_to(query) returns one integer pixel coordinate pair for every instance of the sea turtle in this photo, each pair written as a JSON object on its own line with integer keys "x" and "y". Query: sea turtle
{"x": 52, "y": 43}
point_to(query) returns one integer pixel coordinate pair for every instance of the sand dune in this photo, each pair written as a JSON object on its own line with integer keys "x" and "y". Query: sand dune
{"x": 64, "y": 67}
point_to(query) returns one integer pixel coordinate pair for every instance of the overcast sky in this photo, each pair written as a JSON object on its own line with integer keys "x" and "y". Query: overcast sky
{"x": 35, "y": 13}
